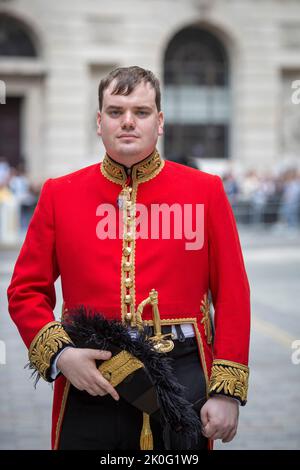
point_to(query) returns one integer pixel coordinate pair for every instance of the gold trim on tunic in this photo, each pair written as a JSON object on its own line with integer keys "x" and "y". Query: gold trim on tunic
{"x": 140, "y": 172}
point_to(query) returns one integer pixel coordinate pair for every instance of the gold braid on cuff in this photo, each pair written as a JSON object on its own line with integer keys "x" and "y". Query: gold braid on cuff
{"x": 230, "y": 379}
{"x": 46, "y": 344}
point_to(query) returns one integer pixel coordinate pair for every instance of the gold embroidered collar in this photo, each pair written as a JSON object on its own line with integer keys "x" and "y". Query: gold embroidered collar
{"x": 140, "y": 172}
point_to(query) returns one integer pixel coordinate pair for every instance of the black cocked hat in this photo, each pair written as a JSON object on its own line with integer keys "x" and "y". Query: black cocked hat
{"x": 141, "y": 375}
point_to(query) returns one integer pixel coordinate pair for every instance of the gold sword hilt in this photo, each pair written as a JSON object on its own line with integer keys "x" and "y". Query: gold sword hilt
{"x": 160, "y": 343}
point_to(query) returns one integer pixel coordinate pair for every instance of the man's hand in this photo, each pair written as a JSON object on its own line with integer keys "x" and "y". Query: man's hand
{"x": 79, "y": 367}
{"x": 219, "y": 417}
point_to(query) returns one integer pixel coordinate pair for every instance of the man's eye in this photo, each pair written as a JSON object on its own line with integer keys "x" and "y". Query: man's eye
{"x": 142, "y": 113}
{"x": 114, "y": 113}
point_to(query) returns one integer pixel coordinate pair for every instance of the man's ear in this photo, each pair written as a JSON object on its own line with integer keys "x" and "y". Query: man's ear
{"x": 99, "y": 130}
{"x": 160, "y": 123}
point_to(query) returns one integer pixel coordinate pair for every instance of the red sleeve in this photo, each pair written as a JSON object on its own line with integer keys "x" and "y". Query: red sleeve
{"x": 230, "y": 295}
{"x": 31, "y": 293}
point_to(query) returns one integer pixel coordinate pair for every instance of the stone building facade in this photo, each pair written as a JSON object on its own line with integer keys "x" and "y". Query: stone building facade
{"x": 228, "y": 69}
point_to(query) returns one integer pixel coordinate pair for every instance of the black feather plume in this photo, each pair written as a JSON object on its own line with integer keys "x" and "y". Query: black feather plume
{"x": 89, "y": 329}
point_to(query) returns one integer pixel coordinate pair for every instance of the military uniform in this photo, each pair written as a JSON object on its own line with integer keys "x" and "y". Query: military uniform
{"x": 114, "y": 275}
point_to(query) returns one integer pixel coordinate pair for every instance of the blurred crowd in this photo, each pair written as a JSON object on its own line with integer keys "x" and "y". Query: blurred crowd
{"x": 261, "y": 198}
{"x": 18, "y": 199}
{"x": 255, "y": 198}
{"x": 265, "y": 199}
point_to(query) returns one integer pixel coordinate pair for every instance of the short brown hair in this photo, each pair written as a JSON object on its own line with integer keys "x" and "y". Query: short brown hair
{"x": 127, "y": 78}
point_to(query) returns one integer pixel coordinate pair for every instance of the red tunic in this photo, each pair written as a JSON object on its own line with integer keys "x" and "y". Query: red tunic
{"x": 63, "y": 239}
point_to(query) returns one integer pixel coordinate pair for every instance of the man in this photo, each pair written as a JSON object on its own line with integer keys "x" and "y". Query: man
{"x": 71, "y": 236}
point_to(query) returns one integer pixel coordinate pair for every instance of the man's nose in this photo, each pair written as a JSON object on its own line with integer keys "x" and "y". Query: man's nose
{"x": 128, "y": 120}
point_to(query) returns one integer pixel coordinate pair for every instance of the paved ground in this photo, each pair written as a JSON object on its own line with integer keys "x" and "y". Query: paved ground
{"x": 271, "y": 419}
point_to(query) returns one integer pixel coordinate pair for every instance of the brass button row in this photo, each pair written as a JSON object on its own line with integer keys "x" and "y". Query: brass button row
{"x": 127, "y": 264}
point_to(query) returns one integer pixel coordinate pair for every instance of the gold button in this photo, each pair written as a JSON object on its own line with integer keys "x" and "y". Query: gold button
{"x": 128, "y": 299}
{"x": 128, "y": 237}
{"x": 127, "y": 266}
{"x": 128, "y": 282}
{"x": 128, "y": 316}
{"x": 129, "y": 221}
{"x": 127, "y": 251}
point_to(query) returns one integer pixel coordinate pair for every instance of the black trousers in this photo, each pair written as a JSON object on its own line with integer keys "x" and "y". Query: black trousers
{"x": 101, "y": 423}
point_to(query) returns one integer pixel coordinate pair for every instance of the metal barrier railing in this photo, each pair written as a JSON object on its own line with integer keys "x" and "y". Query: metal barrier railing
{"x": 268, "y": 213}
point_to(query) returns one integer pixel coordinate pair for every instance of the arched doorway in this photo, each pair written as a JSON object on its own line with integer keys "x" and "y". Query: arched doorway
{"x": 196, "y": 96}
{"x": 15, "y": 43}
{"x": 15, "y": 39}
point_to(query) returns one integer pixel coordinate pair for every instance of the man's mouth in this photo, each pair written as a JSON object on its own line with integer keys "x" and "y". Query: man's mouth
{"x": 127, "y": 136}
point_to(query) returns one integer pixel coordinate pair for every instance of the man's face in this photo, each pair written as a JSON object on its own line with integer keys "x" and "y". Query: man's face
{"x": 130, "y": 125}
